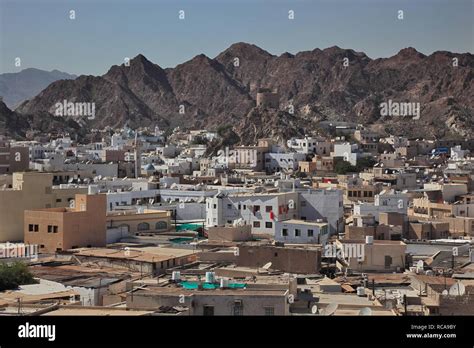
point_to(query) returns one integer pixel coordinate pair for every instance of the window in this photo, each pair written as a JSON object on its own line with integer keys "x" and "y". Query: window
{"x": 240, "y": 207}
{"x": 297, "y": 232}
{"x": 269, "y": 310}
{"x": 143, "y": 226}
{"x": 229, "y": 206}
{"x": 388, "y": 261}
{"x": 245, "y": 207}
{"x": 59, "y": 200}
{"x": 268, "y": 224}
{"x": 256, "y": 208}
{"x": 161, "y": 225}
{"x": 238, "y": 308}
{"x": 284, "y": 232}
{"x": 208, "y": 310}
{"x": 55, "y": 229}
{"x": 50, "y": 228}
{"x": 36, "y": 228}
{"x": 30, "y": 228}
{"x": 256, "y": 224}
{"x": 214, "y": 206}
{"x": 310, "y": 233}
{"x": 268, "y": 208}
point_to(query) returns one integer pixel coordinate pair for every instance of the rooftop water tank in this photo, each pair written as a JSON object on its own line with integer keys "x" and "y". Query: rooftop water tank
{"x": 209, "y": 277}
{"x": 360, "y": 291}
{"x": 224, "y": 283}
{"x": 176, "y": 276}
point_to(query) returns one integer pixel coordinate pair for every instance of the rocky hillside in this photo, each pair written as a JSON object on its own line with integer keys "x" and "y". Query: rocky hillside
{"x": 23, "y": 126}
{"x": 205, "y": 92}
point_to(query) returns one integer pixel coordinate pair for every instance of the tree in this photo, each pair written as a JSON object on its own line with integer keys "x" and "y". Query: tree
{"x": 15, "y": 274}
{"x": 344, "y": 167}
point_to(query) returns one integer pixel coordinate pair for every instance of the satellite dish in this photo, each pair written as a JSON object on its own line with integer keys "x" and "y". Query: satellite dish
{"x": 330, "y": 309}
{"x": 314, "y": 309}
{"x": 267, "y": 265}
{"x": 457, "y": 289}
{"x": 365, "y": 311}
{"x": 419, "y": 264}
{"x": 445, "y": 293}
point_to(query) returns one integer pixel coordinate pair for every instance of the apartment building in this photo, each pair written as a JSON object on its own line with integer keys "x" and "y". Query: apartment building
{"x": 30, "y": 190}
{"x": 295, "y": 231}
{"x": 262, "y": 210}
{"x": 57, "y": 229}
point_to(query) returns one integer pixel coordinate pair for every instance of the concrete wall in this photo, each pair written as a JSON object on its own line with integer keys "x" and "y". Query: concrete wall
{"x": 230, "y": 233}
{"x": 253, "y": 304}
{"x": 295, "y": 260}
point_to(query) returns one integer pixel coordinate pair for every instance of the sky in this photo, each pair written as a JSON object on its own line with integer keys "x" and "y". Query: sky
{"x": 105, "y": 32}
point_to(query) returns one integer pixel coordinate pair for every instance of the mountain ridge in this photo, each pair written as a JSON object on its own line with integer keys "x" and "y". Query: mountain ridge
{"x": 207, "y": 92}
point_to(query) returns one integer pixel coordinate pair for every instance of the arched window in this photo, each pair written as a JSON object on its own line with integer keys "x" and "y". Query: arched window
{"x": 143, "y": 226}
{"x": 161, "y": 225}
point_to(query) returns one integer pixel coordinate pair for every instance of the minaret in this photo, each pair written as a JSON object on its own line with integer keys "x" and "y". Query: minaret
{"x": 137, "y": 155}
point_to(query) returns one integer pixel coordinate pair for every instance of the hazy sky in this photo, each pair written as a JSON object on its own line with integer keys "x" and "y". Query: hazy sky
{"x": 41, "y": 33}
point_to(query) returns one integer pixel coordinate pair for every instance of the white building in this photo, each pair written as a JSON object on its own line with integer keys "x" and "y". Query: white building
{"x": 301, "y": 232}
{"x": 304, "y": 145}
{"x": 275, "y": 162}
{"x": 347, "y": 151}
{"x": 323, "y": 204}
{"x": 385, "y": 202}
{"x": 263, "y": 210}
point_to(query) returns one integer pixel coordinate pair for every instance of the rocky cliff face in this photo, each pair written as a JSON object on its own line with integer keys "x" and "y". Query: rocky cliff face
{"x": 330, "y": 84}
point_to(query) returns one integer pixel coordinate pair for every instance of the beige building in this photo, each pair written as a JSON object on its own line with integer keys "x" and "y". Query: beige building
{"x": 57, "y": 229}
{"x": 30, "y": 190}
{"x": 302, "y": 259}
{"x": 214, "y": 302}
{"x": 230, "y": 233}
{"x": 141, "y": 222}
{"x": 13, "y": 159}
{"x": 378, "y": 255}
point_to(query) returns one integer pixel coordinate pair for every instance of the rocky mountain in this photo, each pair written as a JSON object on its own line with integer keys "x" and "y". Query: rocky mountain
{"x": 18, "y": 87}
{"x": 331, "y": 84}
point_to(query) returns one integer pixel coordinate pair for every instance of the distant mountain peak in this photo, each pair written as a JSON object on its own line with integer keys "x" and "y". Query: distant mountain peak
{"x": 223, "y": 91}
{"x": 245, "y": 50}
{"x": 410, "y": 52}
{"x": 27, "y": 83}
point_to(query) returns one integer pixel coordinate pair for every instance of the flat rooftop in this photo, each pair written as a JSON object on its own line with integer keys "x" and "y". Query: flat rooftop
{"x": 304, "y": 222}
